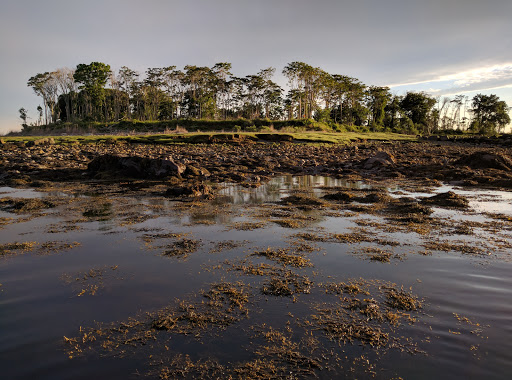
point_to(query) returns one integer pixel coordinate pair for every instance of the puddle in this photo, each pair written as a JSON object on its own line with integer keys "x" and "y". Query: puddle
{"x": 249, "y": 285}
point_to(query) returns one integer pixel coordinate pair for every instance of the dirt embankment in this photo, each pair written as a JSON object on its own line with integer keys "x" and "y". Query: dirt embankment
{"x": 252, "y": 163}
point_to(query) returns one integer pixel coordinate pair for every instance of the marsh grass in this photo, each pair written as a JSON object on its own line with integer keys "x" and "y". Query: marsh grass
{"x": 17, "y": 248}
{"x": 247, "y": 226}
{"x": 25, "y": 205}
{"x": 227, "y": 245}
{"x": 182, "y": 248}
{"x": 401, "y": 300}
{"x": 89, "y": 282}
{"x": 224, "y": 303}
{"x": 285, "y": 256}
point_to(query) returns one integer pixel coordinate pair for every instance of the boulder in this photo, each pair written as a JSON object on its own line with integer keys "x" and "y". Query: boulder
{"x": 448, "y": 199}
{"x": 341, "y": 196}
{"x": 190, "y": 190}
{"x": 485, "y": 160}
{"x": 42, "y": 142}
{"x": 136, "y": 167}
{"x": 196, "y": 171}
{"x": 381, "y": 158}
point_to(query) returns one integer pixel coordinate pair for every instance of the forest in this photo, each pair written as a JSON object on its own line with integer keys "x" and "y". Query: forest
{"x": 94, "y": 93}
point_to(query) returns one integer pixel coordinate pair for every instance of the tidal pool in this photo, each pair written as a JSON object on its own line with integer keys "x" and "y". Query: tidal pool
{"x": 257, "y": 284}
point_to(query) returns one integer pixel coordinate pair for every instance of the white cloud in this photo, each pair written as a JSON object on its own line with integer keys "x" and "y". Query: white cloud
{"x": 476, "y": 79}
{"x": 458, "y": 90}
{"x": 493, "y": 73}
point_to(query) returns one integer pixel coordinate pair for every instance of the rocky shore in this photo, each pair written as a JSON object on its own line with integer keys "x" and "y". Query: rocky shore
{"x": 248, "y": 163}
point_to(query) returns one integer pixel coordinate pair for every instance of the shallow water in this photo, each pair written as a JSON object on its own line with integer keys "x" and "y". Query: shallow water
{"x": 464, "y": 329}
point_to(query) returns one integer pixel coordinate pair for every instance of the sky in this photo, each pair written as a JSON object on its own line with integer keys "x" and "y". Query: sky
{"x": 443, "y": 47}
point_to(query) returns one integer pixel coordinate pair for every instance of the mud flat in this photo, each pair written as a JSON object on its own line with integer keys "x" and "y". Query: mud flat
{"x": 371, "y": 260}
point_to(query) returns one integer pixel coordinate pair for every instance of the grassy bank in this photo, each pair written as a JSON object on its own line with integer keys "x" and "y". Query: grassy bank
{"x": 213, "y": 137}
{"x": 180, "y": 125}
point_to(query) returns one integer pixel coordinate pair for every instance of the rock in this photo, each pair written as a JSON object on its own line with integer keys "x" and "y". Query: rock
{"x": 405, "y": 206}
{"x": 41, "y": 142}
{"x": 237, "y": 177}
{"x": 136, "y": 167}
{"x": 164, "y": 168}
{"x": 302, "y": 200}
{"x": 380, "y": 159}
{"x": 375, "y": 198}
{"x": 486, "y": 160}
{"x": 448, "y": 199}
{"x": 190, "y": 190}
{"x": 341, "y": 196}
{"x": 196, "y": 171}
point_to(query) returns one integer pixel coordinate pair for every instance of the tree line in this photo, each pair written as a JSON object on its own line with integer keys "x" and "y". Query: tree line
{"x": 95, "y": 93}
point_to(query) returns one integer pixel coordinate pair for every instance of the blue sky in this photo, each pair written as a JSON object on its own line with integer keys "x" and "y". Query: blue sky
{"x": 443, "y": 47}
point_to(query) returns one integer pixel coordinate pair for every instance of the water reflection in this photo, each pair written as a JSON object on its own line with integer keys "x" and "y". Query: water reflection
{"x": 21, "y": 193}
{"x": 282, "y": 186}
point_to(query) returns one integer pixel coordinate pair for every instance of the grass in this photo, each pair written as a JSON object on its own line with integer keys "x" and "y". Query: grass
{"x": 205, "y": 137}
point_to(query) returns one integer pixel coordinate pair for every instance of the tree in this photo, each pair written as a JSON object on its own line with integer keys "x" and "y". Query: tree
{"x": 23, "y": 116}
{"x": 490, "y": 114}
{"x": 199, "y": 100}
{"x": 417, "y": 106}
{"x": 40, "y": 113}
{"x": 457, "y": 102}
{"x": 339, "y": 92}
{"x": 378, "y": 98}
{"x": 44, "y": 85}
{"x": 66, "y": 84}
{"x": 306, "y": 83}
{"x": 92, "y": 79}
{"x": 153, "y": 90}
{"x": 392, "y": 113}
{"x": 127, "y": 80}
{"x": 221, "y": 73}
{"x": 443, "y": 118}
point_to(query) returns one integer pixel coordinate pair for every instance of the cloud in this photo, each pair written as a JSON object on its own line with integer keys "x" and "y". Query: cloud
{"x": 483, "y": 75}
{"x": 457, "y": 91}
{"x": 476, "y": 79}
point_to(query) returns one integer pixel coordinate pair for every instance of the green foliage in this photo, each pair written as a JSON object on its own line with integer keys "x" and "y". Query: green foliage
{"x": 323, "y": 115}
{"x": 211, "y": 98}
{"x": 491, "y": 114}
{"x": 378, "y": 99}
{"x": 417, "y": 106}
{"x": 92, "y": 79}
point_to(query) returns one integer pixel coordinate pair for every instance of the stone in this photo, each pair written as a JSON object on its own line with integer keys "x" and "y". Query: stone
{"x": 136, "y": 167}
{"x": 381, "y": 158}
{"x": 486, "y": 160}
{"x": 190, "y": 190}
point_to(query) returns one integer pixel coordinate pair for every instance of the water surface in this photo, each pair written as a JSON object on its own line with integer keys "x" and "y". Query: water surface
{"x": 464, "y": 329}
